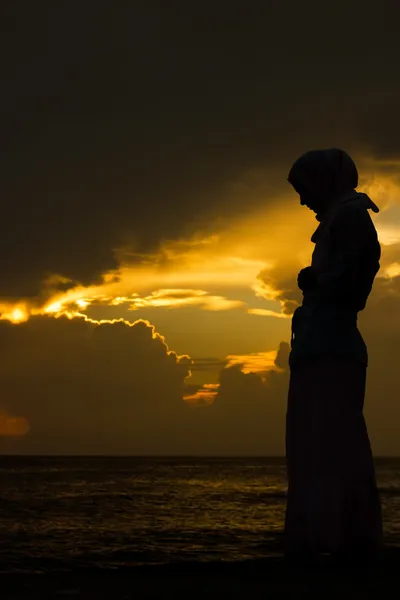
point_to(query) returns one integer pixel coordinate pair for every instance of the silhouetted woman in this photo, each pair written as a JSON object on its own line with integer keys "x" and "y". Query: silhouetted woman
{"x": 333, "y": 504}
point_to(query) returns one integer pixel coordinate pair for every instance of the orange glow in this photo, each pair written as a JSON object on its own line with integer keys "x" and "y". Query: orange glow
{"x": 177, "y": 298}
{"x": 120, "y": 300}
{"x": 268, "y": 313}
{"x": 388, "y": 235}
{"x": 392, "y": 270}
{"x": 259, "y": 362}
{"x": 154, "y": 333}
{"x": 16, "y": 314}
{"x": 54, "y": 308}
{"x": 204, "y": 396}
{"x": 204, "y": 272}
{"x": 383, "y": 188}
{"x": 82, "y": 303}
{"x": 11, "y": 426}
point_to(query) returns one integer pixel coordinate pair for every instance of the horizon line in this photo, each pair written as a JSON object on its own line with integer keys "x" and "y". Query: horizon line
{"x": 62, "y": 455}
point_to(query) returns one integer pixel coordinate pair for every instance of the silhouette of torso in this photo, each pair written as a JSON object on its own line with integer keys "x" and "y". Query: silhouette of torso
{"x": 344, "y": 264}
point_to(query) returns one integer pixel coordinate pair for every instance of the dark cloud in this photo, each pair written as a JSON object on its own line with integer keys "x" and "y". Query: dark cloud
{"x": 124, "y": 125}
{"x": 380, "y": 327}
{"x": 379, "y": 324}
{"x": 282, "y": 357}
{"x": 250, "y": 411}
{"x": 72, "y": 386}
{"x": 207, "y": 364}
{"x": 85, "y": 387}
{"x": 77, "y": 387}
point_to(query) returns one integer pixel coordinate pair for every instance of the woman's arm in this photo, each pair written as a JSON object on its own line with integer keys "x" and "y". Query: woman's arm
{"x": 306, "y": 279}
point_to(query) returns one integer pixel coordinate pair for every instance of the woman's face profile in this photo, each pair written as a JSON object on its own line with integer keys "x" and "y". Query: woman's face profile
{"x": 318, "y": 176}
{"x": 307, "y": 198}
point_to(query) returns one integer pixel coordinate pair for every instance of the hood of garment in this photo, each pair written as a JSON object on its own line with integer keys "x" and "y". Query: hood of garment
{"x": 321, "y": 176}
{"x": 363, "y": 200}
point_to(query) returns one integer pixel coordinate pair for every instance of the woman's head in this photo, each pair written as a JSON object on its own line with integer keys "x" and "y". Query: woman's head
{"x": 320, "y": 175}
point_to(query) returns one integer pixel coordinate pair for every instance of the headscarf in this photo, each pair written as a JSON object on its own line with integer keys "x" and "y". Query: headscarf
{"x": 324, "y": 174}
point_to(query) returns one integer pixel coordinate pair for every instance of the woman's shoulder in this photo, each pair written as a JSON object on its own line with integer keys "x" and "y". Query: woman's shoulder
{"x": 353, "y": 217}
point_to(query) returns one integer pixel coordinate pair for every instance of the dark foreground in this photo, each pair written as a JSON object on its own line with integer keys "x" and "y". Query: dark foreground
{"x": 264, "y": 578}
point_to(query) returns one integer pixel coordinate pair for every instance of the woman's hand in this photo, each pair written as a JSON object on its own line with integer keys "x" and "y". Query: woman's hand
{"x": 306, "y": 279}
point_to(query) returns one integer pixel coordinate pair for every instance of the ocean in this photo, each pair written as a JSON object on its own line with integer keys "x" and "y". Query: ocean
{"x": 59, "y": 513}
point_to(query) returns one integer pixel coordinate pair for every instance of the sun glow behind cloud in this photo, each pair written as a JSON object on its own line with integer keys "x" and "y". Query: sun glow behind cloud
{"x": 205, "y": 272}
{"x": 204, "y": 396}
{"x": 181, "y": 283}
{"x": 260, "y": 363}
{"x": 177, "y": 298}
{"x": 255, "y": 257}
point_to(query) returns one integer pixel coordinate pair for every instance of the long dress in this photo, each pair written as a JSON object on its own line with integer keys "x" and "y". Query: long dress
{"x": 333, "y": 503}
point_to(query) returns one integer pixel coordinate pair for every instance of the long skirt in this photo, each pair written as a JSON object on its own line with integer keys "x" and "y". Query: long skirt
{"x": 333, "y": 503}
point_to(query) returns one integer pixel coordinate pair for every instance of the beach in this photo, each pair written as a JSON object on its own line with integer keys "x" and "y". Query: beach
{"x": 268, "y": 578}
{"x": 124, "y": 528}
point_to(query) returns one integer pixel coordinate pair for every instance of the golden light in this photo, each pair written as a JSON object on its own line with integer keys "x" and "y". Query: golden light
{"x": 119, "y": 300}
{"x": 392, "y": 270}
{"x": 251, "y": 252}
{"x": 82, "y": 303}
{"x": 259, "y": 362}
{"x": 55, "y": 307}
{"x": 205, "y": 396}
{"x": 180, "y": 297}
{"x": 388, "y": 235}
{"x": 264, "y": 312}
{"x": 16, "y": 314}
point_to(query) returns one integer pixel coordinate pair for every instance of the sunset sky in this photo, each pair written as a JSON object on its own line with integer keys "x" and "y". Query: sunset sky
{"x": 150, "y": 241}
